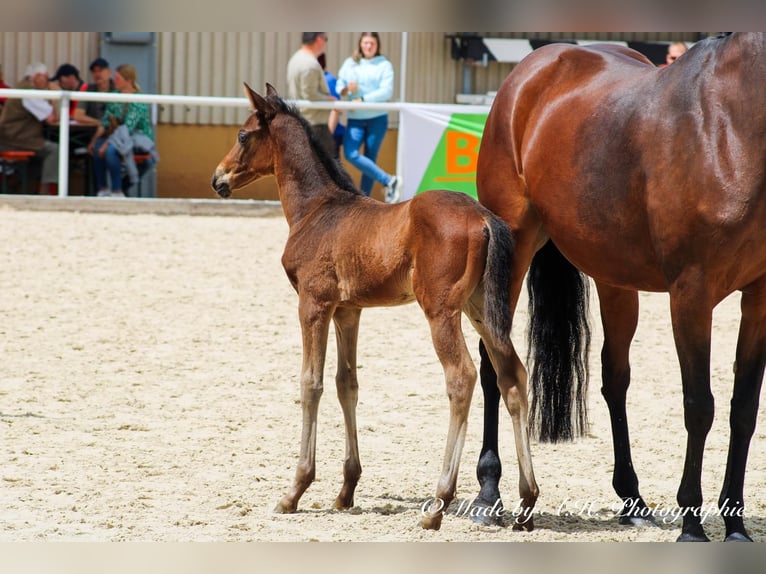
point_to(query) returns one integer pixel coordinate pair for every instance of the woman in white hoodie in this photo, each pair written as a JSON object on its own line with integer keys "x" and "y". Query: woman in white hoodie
{"x": 368, "y": 76}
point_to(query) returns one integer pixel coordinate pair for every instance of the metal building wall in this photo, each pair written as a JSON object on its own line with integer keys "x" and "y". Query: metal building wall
{"x": 19, "y": 49}
{"x": 216, "y": 63}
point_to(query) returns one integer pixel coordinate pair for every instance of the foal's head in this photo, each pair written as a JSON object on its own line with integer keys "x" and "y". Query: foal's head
{"x": 252, "y": 156}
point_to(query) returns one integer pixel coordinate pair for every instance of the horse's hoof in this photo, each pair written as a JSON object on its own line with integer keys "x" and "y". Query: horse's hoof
{"x": 738, "y": 537}
{"x": 431, "y": 522}
{"x": 688, "y": 537}
{"x": 486, "y": 519}
{"x": 637, "y": 521}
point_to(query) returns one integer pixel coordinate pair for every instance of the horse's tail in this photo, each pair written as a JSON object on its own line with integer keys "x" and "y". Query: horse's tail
{"x": 558, "y": 341}
{"x": 497, "y": 280}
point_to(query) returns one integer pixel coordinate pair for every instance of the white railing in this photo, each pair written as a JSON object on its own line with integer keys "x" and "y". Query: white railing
{"x": 65, "y": 97}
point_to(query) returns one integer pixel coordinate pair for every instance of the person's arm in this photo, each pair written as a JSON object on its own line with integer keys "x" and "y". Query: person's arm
{"x": 81, "y": 117}
{"x": 314, "y": 86}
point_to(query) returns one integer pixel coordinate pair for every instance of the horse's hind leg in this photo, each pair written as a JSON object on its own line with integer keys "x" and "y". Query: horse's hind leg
{"x": 510, "y": 380}
{"x": 751, "y": 357}
{"x": 619, "y": 317}
{"x": 315, "y": 326}
{"x": 460, "y": 376}
{"x": 346, "y": 335}
{"x": 489, "y": 469}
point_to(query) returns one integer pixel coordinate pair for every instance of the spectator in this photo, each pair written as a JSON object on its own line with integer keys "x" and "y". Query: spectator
{"x": 2, "y": 85}
{"x": 102, "y": 82}
{"x": 336, "y": 127}
{"x": 675, "y": 51}
{"x": 368, "y": 76}
{"x": 68, "y": 78}
{"x": 112, "y": 146}
{"x": 21, "y": 126}
{"x": 306, "y": 81}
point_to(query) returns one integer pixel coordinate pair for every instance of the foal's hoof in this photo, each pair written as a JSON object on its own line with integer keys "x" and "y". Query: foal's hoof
{"x": 285, "y": 507}
{"x": 522, "y": 524}
{"x": 431, "y": 521}
{"x": 738, "y": 537}
{"x": 341, "y": 504}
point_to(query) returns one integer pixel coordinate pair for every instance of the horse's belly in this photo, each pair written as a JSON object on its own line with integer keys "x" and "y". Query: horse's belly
{"x": 619, "y": 255}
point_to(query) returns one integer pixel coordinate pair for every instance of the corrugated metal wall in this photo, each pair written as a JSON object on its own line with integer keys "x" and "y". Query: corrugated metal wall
{"x": 19, "y": 49}
{"x": 216, "y": 63}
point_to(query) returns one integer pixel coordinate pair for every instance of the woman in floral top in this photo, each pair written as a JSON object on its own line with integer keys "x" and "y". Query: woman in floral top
{"x": 136, "y": 118}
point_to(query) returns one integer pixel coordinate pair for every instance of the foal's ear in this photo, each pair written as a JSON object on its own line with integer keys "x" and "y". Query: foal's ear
{"x": 258, "y": 103}
{"x": 271, "y": 91}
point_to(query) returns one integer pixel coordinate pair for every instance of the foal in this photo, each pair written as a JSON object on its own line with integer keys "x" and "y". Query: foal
{"x": 346, "y": 252}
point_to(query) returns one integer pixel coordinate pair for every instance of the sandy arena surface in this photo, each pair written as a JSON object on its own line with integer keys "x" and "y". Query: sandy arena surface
{"x": 149, "y": 391}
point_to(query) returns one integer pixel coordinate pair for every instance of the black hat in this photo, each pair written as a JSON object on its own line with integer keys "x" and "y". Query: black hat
{"x": 98, "y": 63}
{"x": 66, "y": 70}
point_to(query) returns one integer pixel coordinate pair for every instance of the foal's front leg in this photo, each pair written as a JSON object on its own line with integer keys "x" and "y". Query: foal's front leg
{"x": 315, "y": 325}
{"x": 346, "y": 335}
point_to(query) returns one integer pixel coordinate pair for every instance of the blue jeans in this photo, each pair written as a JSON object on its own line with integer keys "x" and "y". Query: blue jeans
{"x": 369, "y": 132}
{"x": 111, "y": 162}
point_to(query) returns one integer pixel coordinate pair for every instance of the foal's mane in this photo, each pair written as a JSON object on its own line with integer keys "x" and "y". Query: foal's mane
{"x": 331, "y": 165}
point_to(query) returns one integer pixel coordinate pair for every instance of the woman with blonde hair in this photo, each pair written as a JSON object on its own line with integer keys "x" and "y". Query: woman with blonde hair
{"x": 112, "y": 144}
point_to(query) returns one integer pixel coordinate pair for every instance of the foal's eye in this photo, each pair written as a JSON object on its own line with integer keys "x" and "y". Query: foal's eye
{"x": 242, "y": 137}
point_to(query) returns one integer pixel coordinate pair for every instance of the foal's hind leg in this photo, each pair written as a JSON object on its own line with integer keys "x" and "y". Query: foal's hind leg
{"x": 315, "y": 326}
{"x": 748, "y": 377}
{"x": 346, "y": 335}
{"x": 460, "y": 376}
{"x": 619, "y": 317}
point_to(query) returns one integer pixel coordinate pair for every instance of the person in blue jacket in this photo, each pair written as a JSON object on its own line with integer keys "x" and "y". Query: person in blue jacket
{"x": 368, "y": 76}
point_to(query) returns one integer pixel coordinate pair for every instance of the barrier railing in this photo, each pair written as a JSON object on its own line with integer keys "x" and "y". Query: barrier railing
{"x": 65, "y": 97}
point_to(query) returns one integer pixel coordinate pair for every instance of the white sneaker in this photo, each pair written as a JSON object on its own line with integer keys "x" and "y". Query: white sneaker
{"x": 118, "y": 194}
{"x": 104, "y": 193}
{"x": 393, "y": 191}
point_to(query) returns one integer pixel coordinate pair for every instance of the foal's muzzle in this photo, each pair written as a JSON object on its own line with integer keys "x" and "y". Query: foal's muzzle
{"x": 220, "y": 185}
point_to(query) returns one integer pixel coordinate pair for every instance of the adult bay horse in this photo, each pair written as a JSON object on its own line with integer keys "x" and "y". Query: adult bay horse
{"x": 346, "y": 252}
{"x": 644, "y": 179}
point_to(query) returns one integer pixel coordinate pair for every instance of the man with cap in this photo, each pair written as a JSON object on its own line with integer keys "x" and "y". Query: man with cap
{"x": 68, "y": 78}
{"x": 21, "y": 125}
{"x": 102, "y": 82}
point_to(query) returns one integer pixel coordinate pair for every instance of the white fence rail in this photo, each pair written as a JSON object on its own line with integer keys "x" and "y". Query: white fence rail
{"x": 65, "y": 97}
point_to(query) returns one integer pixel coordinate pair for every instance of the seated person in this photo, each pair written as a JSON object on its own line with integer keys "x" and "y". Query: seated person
{"x": 68, "y": 78}
{"x": 21, "y": 126}
{"x": 121, "y": 127}
{"x": 102, "y": 82}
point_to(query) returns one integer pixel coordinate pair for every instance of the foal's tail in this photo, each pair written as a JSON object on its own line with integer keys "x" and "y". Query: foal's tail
{"x": 558, "y": 340}
{"x": 497, "y": 280}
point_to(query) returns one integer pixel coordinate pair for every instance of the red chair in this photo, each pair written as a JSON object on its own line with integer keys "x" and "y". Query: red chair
{"x": 18, "y": 159}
